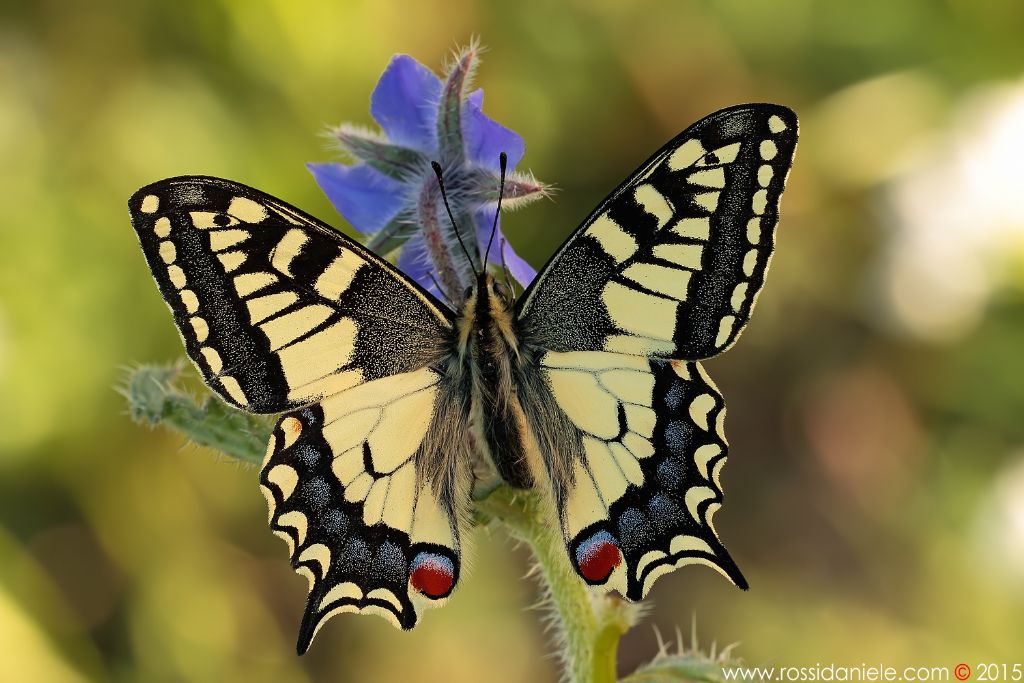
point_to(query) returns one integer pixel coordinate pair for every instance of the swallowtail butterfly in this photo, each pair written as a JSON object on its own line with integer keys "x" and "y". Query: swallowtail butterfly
{"x": 588, "y": 386}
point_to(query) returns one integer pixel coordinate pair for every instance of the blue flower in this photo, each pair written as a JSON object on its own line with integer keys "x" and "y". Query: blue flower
{"x": 391, "y": 195}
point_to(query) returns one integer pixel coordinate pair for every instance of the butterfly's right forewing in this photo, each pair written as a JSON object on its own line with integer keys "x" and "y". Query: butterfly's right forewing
{"x": 671, "y": 263}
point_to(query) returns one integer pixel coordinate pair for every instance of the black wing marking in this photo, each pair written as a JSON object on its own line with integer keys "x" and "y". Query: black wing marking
{"x": 670, "y": 264}
{"x": 277, "y": 309}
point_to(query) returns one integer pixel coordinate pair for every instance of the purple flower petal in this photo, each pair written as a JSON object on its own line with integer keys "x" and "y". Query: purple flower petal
{"x": 522, "y": 271}
{"x": 367, "y": 199}
{"x": 404, "y": 103}
{"x": 485, "y": 138}
{"x": 414, "y": 261}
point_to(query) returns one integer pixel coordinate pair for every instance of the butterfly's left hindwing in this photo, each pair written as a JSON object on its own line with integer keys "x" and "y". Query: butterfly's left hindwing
{"x": 343, "y": 482}
{"x": 651, "y": 445}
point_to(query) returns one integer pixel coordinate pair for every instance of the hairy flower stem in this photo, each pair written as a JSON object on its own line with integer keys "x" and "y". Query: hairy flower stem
{"x": 437, "y": 245}
{"x": 590, "y": 626}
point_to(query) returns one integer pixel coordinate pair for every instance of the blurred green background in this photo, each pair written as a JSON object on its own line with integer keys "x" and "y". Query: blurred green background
{"x": 875, "y": 493}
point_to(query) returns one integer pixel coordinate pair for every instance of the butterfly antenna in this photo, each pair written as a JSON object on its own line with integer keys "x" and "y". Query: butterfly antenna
{"x": 440, "y": 288}
{"x": 444, "y": 195}
{"x": 508, "y": 276}
{"x": 503, "y": 161}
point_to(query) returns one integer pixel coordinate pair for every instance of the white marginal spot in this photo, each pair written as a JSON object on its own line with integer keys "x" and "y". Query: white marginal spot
{"x": 739, "y": 295}
{"x": 285, "y": 478}
{"x": 319, "y": 553}
{"x": 683, "y": 543}
{"x": 287, "y": 250}
{"x": 694, "y": 228}
{"x": 248, "y": 283}
{"x": 634, "y": 311}
{"x": 212, "y": 359}
{"x": 700, "y": 408}
{"x": 768, "y": 150}
{"x": 385, "y": 595}
{"x": 764, "y": 175}
{"x": 201, "y": 329}
{"x": 619, "y": 244}
{"x": 296, "y": 520}
{"x": 247, "y": 210}
{"x": 162, "y": 227}
{"x": 754, "y": 230}
{"x": 177, "y": 276}
{"x": 648, "y": 558}
{"x": 342, "y": 591}
{"x": 685, "y": 255}
{"x": 776, "y": 124}
{"x": 694, "y": 497}
{"x": 167, "y": 251}
{"x": 189, "y": 300}
{"x": 725, "y": 327}
{"x": 707, "y": 200}
{"x": 222, "y": 239}
{"x": 686, "y": 155}
{"x": 703, "y": 455}
{"x": 709, "y": 177}
{"x": 654, "y": 203}
{"x": 760, "y": 201}
{"x": 749, "y": 262}
{"x": 231, "y": 260}
{"x": 150, "y": 203}
{"x": 668, "y": 281}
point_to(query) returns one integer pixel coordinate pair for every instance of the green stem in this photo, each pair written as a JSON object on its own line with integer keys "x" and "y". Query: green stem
{"x": 590, "y": 625}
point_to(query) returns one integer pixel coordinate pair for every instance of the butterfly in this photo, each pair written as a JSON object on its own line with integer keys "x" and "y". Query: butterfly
{"x": 588, "y": 386}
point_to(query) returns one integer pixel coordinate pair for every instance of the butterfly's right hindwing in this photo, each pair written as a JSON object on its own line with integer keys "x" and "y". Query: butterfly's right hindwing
{"x": 275, "y": 308}
{"x": 646, "y": 445}
{"x": 346, "y": 490}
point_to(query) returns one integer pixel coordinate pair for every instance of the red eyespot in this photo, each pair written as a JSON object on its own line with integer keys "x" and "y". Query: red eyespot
{"x": 432, "y": 575}
{"x": 598, "y": 560}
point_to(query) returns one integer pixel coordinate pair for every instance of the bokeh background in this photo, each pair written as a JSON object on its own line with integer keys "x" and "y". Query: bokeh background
{"x": 875, "y": 491}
